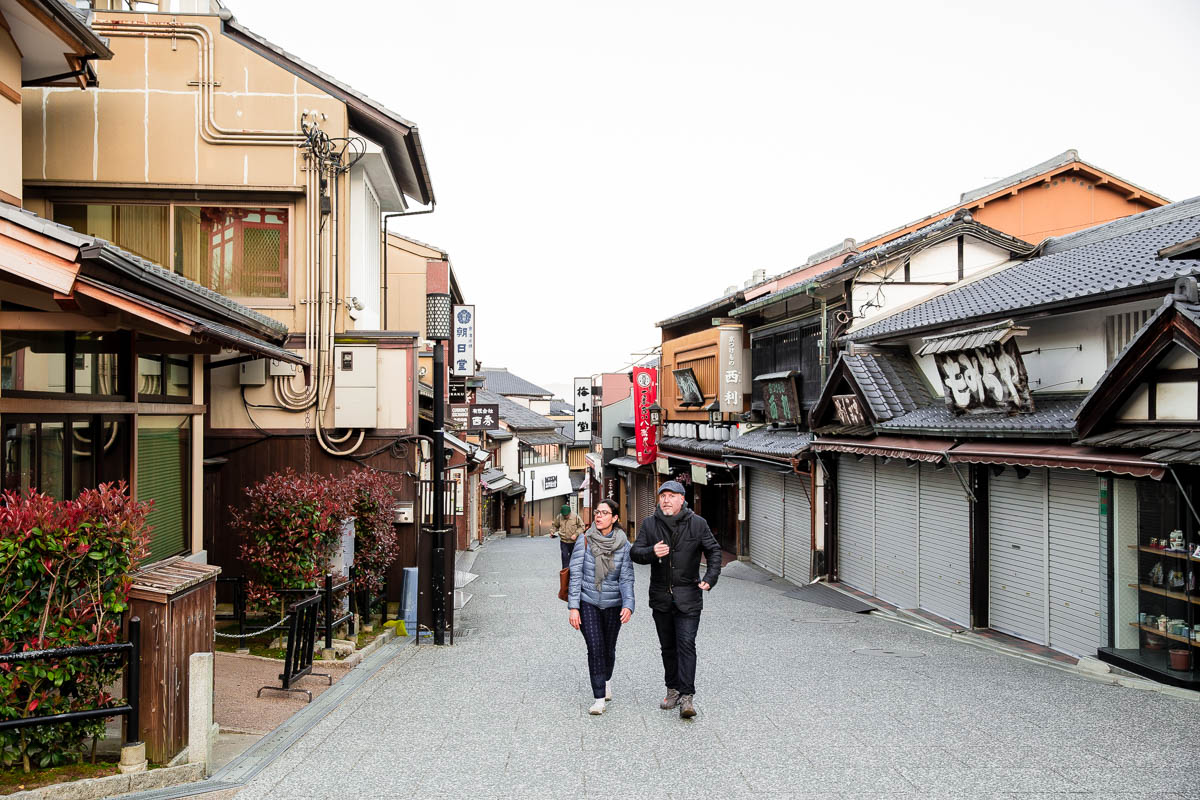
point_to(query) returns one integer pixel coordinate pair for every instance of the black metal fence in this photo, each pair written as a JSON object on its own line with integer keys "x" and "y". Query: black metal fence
{"x": 131, "y": 649}
{"x": 302, "y": 636}
{"x": 328, "y": 622}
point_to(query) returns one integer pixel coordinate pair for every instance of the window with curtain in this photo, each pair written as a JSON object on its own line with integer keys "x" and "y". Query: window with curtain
{"x": 238, "y": 252}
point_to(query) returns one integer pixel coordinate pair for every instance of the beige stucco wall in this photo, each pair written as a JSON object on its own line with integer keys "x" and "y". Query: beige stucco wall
{"x": 10, "y": 118}
{"x": 407, "y": 264}
{"x": 142, "y": 124}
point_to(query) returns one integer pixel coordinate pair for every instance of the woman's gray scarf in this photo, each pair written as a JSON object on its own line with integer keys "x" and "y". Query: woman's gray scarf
{"x": 603, "y": 548}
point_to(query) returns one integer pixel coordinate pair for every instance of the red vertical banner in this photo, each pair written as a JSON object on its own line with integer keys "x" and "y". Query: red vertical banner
{"x": 645, "y": 393}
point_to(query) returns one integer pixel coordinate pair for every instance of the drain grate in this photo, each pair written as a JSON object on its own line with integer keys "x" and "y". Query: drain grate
{"x": 880, "y": 651}
{"x": 824, "y": 621}
{"x": 463, "y": 632}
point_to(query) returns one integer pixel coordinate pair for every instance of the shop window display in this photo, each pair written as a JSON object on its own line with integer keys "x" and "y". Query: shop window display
{"x": 1168, "y": 568}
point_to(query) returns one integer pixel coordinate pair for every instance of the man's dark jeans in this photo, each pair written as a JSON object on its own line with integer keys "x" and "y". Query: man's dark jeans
{"x": 677, "y": 635}
{"x": 566, "y": 548}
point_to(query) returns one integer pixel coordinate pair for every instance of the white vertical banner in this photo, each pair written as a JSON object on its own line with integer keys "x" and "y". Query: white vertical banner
{"x": 734, "y": 382}
{"x": 583, "y": 409}
{"x": 462, "y": 343}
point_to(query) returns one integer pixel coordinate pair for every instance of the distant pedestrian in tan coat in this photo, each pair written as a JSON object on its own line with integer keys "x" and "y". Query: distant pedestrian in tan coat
{"x": 568, "y": 526}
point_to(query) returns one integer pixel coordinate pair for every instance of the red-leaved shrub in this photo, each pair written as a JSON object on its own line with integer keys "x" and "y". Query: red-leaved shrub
{"x": 64, "y": 582}
{"x": 373, "y": 504}
{"x": 292, "y": 528}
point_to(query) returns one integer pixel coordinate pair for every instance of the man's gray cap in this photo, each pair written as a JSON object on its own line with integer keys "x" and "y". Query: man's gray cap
{"x": 672, "y": 486}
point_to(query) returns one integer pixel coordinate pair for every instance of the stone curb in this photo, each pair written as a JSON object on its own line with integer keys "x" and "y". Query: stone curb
{"x": 1085, "y": 668}
{"x": 114, "y": 785}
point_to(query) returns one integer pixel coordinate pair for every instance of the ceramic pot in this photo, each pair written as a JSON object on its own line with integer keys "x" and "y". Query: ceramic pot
{"x": 1181, "y": 659}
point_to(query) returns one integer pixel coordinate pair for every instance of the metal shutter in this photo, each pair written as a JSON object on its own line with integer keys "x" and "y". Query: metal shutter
{"x": 766, "y": 520}
{"x": 896, "y": 548}
{"x": 797, "y": 535}
{"x": 1074, "y": 562}
{"x": 644, "y": 497}
{"x": 1016, "y": 554}
{"x": 856, "y": 522}
{"x": 945, "y": 524}
{"x": 161, "y": 472}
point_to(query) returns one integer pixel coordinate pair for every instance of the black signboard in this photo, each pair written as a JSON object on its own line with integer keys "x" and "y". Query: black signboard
{"x": 781, "y": 398}
{"x": 476, "y": 416}
{"x": 689, "y": 387}
{"x": 550, "y": 482}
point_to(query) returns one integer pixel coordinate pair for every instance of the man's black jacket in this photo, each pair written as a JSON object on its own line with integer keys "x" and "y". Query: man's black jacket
{"x": 674, "y": 578}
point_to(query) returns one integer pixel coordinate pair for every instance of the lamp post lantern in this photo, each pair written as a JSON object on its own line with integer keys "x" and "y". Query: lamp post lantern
{"x": 437, "y": 330}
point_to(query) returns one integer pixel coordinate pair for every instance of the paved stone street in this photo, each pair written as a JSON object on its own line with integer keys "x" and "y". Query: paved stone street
{"x": 788, "y": 709}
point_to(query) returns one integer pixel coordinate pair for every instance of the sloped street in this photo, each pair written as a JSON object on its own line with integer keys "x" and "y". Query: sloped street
{"x": 795, "y": 701}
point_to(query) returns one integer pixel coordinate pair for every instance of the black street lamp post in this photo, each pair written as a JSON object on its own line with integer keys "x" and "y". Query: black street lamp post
{"x": 437, "y": 329}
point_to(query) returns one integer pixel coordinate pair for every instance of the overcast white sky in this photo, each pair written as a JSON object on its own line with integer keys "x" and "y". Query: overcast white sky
{"x": 600, "y": 166}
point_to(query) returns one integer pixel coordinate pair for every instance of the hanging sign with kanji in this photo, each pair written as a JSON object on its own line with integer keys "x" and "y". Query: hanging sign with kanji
{"x": 733, "y": 381}
{"x": 583, "y": 409}
{"x": 645, "y": 393}
{"x": 462, "y": 344}
{"x": 781, "y": 400}
{"x": 476, "y": 416}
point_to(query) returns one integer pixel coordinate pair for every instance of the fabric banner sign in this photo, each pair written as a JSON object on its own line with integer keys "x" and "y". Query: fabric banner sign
{"x": 733, "y": 382}
{"x": 583, "y": 409}
{"x": 645, "y": 394}
{"x": 462, "y": 345}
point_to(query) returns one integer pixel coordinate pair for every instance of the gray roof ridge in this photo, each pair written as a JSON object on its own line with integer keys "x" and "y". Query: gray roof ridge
{"x": 1062, "y": 159}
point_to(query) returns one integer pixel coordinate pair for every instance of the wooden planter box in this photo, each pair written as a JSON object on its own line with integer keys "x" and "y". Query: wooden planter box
{"x": 176, "y": 601}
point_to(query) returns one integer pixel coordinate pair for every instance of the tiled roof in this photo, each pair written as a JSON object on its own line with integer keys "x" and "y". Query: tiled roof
{"x": 1118, "y": 258}
{"x": 703, "y": 308}
{"x": 770, "y": 442}
{"x": 501, "y": 381}
{"x": 1053, "y": 416}
{"x": 1171, "y": 446}
{"x": 517, "y": 416}
{"x": 561, "y": 407}
{"x": 890, "y": 383}
{"x": 706, "y": 448}
{"x": 938, "y": 230}
{"x": 544, "y": 437}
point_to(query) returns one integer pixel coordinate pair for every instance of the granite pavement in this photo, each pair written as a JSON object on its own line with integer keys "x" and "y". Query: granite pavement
{"x": 795, "y": 701}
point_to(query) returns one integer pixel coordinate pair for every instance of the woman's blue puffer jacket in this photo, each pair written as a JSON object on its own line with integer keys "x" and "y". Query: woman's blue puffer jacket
{"x": 617, "y": 589}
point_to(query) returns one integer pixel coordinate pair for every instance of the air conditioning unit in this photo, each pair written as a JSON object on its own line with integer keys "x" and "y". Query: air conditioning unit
{"x": 355, "y": 387}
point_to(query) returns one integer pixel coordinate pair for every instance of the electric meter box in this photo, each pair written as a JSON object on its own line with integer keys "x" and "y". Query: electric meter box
{"x": 283, "y": 369}
{"x": 253, "y": 373}
{"x": 355, "y": 393}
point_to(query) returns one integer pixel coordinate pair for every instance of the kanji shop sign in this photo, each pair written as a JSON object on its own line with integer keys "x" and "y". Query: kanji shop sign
{"x": 477, "y": 416}
{"x": 462, "y": 344}
{"x": 733, "y": 383}
{"x": 985, "y": 379}
{"x": 583, "y": 409}
{"x": 645, "y": 394}
{"x": 848, "y": 410}
{"x": 781, "y": 400}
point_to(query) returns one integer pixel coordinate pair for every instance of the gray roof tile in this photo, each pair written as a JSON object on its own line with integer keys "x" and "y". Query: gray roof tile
{"x": 517, "y": 416}
{"x": 1121, "y": 256}
{"x": 1053, "y": 416}
{"x": 501, "y": 381}
{"x": 686, "y": 445}
{"x": 890, "y": 383}
{"x": 770, "y": 442}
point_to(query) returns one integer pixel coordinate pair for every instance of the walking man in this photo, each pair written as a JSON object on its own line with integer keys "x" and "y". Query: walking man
{"x": 568, "y": 526}
{"x": 671, "y": 542}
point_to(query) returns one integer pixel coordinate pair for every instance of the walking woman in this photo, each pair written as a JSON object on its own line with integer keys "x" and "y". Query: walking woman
{"x": 600, "y": 595}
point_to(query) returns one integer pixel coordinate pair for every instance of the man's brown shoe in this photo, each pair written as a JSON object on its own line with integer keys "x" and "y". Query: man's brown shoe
{"x": 686, "y": 709}
{"x": 671, "y": 700}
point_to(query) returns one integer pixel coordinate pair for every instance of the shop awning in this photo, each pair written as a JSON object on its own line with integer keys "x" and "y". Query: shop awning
{"x": 708, "y": 462}
{"x": 996, "y": 333}
{"x": 626, "y": 462}
{"x": 1061, "y": 456}
{"x": 514, "y": 489}
{"x": 913, "y": 448}
{"x": 494, "y": 480}
{"x": 1169, "y": 446}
